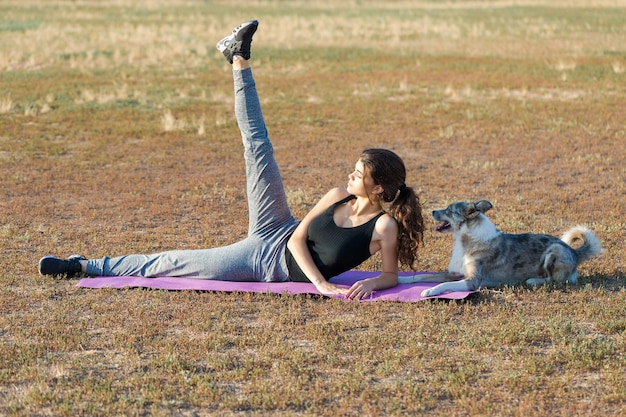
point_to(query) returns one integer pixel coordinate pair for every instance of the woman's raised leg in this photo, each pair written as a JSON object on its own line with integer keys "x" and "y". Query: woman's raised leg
{"x": 267, "y": 201}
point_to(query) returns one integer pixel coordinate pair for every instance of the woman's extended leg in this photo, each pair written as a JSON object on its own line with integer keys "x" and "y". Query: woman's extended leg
{"x": 267, "y": 202}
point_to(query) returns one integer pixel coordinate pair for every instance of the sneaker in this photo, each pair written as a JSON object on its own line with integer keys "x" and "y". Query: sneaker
{"x": 238, "y": 42}
{"x": 70, "y": 267}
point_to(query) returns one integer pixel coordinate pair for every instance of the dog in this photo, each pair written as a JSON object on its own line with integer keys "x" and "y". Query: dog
{"x": 488, "y": 258}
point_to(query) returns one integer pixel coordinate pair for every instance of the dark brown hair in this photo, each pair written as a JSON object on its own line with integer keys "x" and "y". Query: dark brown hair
{"x": 398, "y": 200}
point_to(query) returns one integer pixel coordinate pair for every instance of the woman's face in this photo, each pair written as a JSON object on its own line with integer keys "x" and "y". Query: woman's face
{"x": 359, "y": 181}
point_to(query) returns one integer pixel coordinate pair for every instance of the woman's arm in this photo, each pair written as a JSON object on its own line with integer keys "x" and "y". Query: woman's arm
{"x": 385, "y": 240}
{"x": 300, "y": 251}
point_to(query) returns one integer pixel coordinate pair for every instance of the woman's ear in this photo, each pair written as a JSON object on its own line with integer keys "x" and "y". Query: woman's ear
{"x": 378, "y": 189}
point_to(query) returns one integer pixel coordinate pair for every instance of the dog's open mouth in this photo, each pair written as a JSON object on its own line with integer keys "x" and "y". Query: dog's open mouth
{"x": 442, "y": 227}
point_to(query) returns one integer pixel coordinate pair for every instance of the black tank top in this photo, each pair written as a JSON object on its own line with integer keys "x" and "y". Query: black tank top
{"x": 334, "y": 249}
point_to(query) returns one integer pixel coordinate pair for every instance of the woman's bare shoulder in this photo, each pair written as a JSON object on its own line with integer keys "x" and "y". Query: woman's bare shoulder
{"x": 386, "y": 225}
{"x": 335, "y": 194}
{"x": 330, "y": 198}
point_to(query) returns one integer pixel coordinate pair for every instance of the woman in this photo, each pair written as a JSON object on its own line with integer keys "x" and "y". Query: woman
{"x": 377, "y": 212}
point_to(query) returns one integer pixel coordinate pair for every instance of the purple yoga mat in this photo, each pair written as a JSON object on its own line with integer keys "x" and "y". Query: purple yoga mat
{"x": 401, "y": 292}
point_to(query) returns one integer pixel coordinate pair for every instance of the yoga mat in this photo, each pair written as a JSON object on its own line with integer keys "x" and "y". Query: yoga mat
{"x": 401, "y": 292}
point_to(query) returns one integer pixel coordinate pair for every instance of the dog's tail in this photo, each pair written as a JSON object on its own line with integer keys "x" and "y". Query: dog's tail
{"x": 590, "y": 243}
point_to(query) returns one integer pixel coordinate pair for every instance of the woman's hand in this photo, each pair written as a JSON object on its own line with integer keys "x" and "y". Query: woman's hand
{"x": 366, "y": 288}
{"x": 327, "y": 288}
{"x": 361, "y": 289}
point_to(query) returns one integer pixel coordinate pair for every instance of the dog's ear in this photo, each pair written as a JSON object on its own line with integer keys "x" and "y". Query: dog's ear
{"x": 483, "y": 206}
{"x": 470, "y": 211}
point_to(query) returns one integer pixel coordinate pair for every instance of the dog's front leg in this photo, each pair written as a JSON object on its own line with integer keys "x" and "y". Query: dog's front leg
{"x": 429, "y": 277}
{"x": 467, "y": 284}
{"x": 462, "y": 285}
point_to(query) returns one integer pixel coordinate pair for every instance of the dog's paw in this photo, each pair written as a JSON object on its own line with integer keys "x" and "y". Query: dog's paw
{"x": 573, "y": 279}
{"x": 428, "y": 293}
{"x": 535, "y": 282}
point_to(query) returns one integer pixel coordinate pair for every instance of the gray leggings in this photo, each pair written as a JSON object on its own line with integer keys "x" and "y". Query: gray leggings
{"x": 260, "y": 256}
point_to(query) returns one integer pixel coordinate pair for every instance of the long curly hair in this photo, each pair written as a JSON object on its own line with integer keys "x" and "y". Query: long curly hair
{"x": 398, "y": 200}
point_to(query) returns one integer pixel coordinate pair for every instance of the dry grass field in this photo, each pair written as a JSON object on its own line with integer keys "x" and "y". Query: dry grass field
{"x": 117, "y": 135}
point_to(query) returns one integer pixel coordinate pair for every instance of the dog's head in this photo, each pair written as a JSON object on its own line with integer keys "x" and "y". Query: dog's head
{"x": 457, "y": 215}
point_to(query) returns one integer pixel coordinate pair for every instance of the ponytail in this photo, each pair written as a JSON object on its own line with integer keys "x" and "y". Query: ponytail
{"x": 407, "y": 212}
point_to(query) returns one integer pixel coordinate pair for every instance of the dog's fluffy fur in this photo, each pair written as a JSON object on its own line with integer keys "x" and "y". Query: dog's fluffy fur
{"x": 488, "y": 258}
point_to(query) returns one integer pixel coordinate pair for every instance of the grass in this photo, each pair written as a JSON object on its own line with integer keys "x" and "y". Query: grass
{"x": 117, "y": 136}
